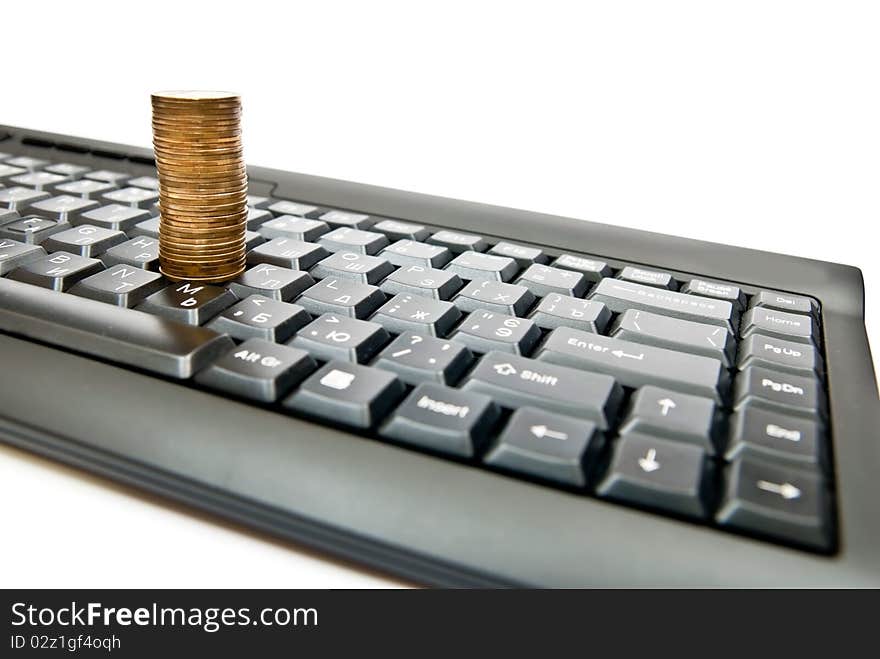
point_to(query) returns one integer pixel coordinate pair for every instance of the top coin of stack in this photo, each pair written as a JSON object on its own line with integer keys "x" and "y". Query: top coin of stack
{"x": 202, "y": 185}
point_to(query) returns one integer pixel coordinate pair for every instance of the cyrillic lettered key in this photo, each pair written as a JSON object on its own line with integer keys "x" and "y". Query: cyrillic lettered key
{"x": 419, "y": 358}
{"x": 565, "y": 311}
{"x": 58, "y": 271}
{"x": 786, "y": 302}
{"x": 351, "y": 265}
{"x": 780, "y": 324}
{"x": 397, "y": 230}
{"x": 332, "y": 336}
{"x": 272, "y": 281}
{"x": 85, "y": 240}
{"x": 458, "y": 242}
{"x": 728, "y": 292}
{"x": 495, "y": 296}
{"x": 524, "y": 256}
{"x": 441, "y": 419}
{"x": 648, "y": 277}
{"x": 341, "y": 296}
{"x": 591, "y": 269}
{"x": 411, "y": 313}
{"x": 779, "y": 355}
{"x": 346, "y": 393}
{"x": 657, "y": 473}
{"x": 768, "y": 434}
{"x": 675, "y": 334}
{"x": 672, "y": 415}
{"x": 353, "y": 240}
{"x": 633, "y": 364}
{"x": 544, "y": 280}
{"x": 260, "y": 317}
{"x": 121, "y": 285}
{"x": 409, "y": 252}
{"x": 259, "y": 370}
{"x": 483, "y": 331}
{"x": 516, "y": 382}
{"x": 187, "y": 302}
{"x": 32, "y": 229}
{"x": 296, "y": 228}
{"x": 141, "y": 252}
{"x": 775, "y": 501}
{"x": 423, "y": 281}
{"x": 476, "y": 266}
{"x": 798, "y": 395}
{"x": 619, "y": 295}
{"x": 14, "y": 254}
{"x": 115, "y": 217}
{"x": 547, "y": 445}
{"x": 287, "y": 253}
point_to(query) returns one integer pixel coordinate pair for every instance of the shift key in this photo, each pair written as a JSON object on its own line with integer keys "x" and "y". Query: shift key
{"x": 634, "y": 364}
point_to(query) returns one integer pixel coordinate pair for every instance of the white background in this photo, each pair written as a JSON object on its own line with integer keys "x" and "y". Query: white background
{"x": 751, "y": 123}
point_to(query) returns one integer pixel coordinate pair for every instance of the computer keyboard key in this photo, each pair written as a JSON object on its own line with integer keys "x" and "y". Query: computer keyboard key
{"x": 84, "y": 240}
{"x": 484, "y": 331}
{"x": 272, "y": 281}
{"x": 705, "y": 288}
{"x": 345, "y": 219}
{"x": 353, "y": 240}
{"x": 141, "y": 252}
{"x": 648, "y": 277}
{"x": 85, "y": 188}
{"x": 260, "y": 317}
{"x": 779, "y": 355}
{"x": 37, "y": 180}
{"x": 341, "y": 296}
{"x": 7, "y": 171}
{"x": 7, "y": 216}
{"x": 516, "y": 382}
{"x": 477, "y": 266}
{"x": 332, "y": 336}
{"x": 354, "y": 266}
{"x": 423, "y": 281}
{"x": 188, "y": 302}
{"x": 408, "y": 252}
{"x": 257, "y": 217}
{"x": 524, "y": 256}
{"x": 786, "y": 302}
{"x": 18, "y": 197}
{"x": 545, "y": 445}
{"x": 619, "y": 295}
{"x": 58, "y": 271}
{"x": 253, "y": 239}
{"x": 458, "y": 242}
{"x": 117, "y": 218}
{"x": 495, "y": 296}
{"x": 795, "y": 394}
{"x": 783, "y": 503}
{"x": 287, "y": 253}
{"x": 412, "y": 313}
{"x": 291, "y": 208}
{"x": 762, "y": 434}
{"x": 545, "y": 280}
{"x": 253, "y": 201}
{"x": 145, "y": 182}
{"x": 32, "y": 229}
{"x": 780, "y": 325}
{"x": 108, "y": 176}
{"x": 120, "y": 285}
{"x": 634, "y": 364}
{"x": 658, "y": 473}
{"x": 27, "y": 162}
{"x": 64, "y": 207}
{"x": 396, "y": 230}
{"x": 346, "y": 393}
{"x": 675, "y": 334}
{"x": 442, "y": 419}
{"x": 296, "y": 228}
{"x": 258, "y": 370}
{"x": 565, "y": 311}
{"x": 14, "y": 254}
{"x": 112, "y": 333}
{"x": 131, "y": 196}
{"x": 672, "y": 415}
{"x": 420, "y": 358}
{"x": 591, "y": 269}
{"x": 67, "y": 169}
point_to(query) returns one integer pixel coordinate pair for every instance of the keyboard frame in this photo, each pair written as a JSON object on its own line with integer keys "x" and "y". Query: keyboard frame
{"x": 423, "y": 518}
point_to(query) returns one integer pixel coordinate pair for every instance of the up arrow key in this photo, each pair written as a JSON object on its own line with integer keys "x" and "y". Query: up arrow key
{"x": 666, "y": 404}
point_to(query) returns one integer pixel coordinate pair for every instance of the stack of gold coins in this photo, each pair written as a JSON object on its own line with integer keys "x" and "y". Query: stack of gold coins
{"x": 202, "y": 185}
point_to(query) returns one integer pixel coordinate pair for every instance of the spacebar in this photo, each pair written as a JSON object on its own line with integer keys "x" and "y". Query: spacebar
{"x": 117, "y": 334}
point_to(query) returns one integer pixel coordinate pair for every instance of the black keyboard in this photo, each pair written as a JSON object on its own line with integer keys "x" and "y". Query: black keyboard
{"x": 456, "y": 393}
